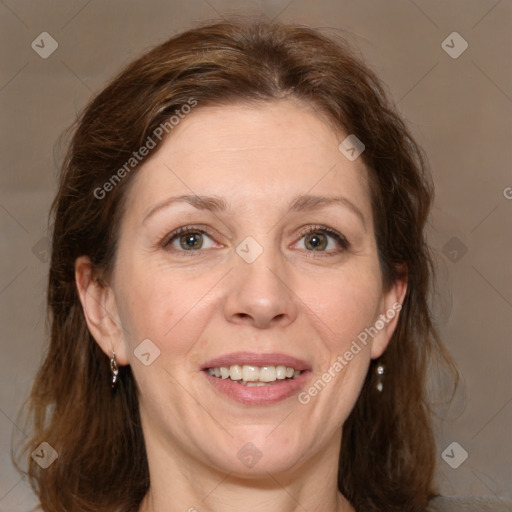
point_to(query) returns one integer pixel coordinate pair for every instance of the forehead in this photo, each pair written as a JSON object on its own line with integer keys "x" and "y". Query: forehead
{"x": 262, "y": 153}
{"x": 286, "y": 125}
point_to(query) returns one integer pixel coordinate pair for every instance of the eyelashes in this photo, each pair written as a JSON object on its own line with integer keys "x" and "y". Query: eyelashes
{"x": 327, "y": 232}
{"x": 190, "y": 240}
{"x": 188, "y": 233}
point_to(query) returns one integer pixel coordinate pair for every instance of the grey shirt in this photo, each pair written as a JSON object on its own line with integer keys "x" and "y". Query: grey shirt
{"x": 470, "y": 504}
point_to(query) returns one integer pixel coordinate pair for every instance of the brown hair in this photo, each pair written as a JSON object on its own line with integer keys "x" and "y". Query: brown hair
{"x": 388, "y": 454}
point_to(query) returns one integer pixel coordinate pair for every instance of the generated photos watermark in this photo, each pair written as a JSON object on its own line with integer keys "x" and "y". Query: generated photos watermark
{"x": 342, "y": 360}
{"x": 137, "y": 156}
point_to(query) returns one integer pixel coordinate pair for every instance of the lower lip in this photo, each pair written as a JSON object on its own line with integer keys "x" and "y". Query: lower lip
{"x": 259, "y": 395}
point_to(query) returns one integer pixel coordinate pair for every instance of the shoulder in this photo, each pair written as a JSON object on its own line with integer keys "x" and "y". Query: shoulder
{"x": 469, "y": 504}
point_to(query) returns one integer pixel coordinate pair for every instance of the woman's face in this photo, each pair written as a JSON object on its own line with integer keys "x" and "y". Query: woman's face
{"x": 275, "y": 266}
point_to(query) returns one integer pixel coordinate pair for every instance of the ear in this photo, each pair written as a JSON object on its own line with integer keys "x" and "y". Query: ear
{"x": 387, "y": 319}
{"x": 100, "y": 310}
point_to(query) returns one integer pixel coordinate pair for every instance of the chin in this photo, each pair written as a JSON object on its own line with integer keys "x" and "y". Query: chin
{"x": 256, "y": 457}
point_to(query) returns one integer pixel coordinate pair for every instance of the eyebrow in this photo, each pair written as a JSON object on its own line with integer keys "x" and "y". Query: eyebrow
{"x": 301, "y": 203}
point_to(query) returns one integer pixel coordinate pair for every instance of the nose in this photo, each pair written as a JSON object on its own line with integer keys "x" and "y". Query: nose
{"x": 261, "y": 293}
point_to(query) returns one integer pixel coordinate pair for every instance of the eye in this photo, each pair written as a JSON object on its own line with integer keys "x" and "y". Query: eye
{"x": 316, "y": 238}
{"x": 188, "y": 238}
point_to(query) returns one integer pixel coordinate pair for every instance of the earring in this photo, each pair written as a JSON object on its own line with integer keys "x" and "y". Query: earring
{"x": 114, "y": 370}
{"x": 379, "y": 371}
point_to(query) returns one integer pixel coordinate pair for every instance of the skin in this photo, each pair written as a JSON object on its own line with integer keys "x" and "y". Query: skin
{"x": 196, "y": 305}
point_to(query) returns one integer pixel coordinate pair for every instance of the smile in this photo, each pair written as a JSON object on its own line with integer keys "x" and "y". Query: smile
{"x": 249, "y": 375}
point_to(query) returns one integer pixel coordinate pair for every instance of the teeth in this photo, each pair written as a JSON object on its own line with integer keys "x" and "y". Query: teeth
{"x": 268, "y": 374}
{"x": 235, "y": 372}
{"x": 281, "y": 372}
{"x": 250, "y": 375}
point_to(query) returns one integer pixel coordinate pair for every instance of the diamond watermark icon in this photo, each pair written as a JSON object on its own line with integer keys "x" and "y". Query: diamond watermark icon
{"x": 44, "y": 45}
{"x": 249, "y": 250}
{"x": 454, "y": 455}
{"x": 44, "y": 455}
{"x": 249, "y": 455}
{"x": 147, "y": 352}
{"x": 351, "y": 147}
{"x": 42, "y": 249}
{"x": 454, "y": 45}
{"x": 454, "y": 249}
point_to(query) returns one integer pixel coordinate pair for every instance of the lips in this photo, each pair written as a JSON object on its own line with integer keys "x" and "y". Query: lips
{"x": 255, "y": 359}
{"x": 266, "y": 395}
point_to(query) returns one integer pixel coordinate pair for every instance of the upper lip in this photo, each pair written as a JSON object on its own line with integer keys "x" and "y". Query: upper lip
{"x": 257, "y": 359}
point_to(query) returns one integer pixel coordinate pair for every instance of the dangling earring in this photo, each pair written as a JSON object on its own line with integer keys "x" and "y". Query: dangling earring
{"x": 379, "y": 371}
{"x": 114, "y": 370}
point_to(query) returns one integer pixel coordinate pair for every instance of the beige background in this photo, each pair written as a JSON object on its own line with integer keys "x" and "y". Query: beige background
{"x": 460, "y": 110}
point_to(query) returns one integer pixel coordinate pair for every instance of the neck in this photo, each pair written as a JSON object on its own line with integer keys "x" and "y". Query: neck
{"x": 193, "y": 486}
{"x": 280, "y": 499}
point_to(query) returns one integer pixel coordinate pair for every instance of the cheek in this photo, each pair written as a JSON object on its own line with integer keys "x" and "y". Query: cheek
{"x": 345, "y": 304}
{"x": 159, "y": 305}
{"x": 147, "y": 307}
